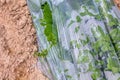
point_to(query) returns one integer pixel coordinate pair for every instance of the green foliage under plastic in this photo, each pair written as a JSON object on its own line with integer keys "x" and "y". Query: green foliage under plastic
{"x": 78, "y": 40}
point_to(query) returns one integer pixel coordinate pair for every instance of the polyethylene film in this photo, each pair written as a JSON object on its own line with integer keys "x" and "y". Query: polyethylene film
{"x": 78, "y": 39}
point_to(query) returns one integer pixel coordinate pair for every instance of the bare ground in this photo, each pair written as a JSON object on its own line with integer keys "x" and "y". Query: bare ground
{"x": 17, "y": 42}
{"x": 117, "y": 3}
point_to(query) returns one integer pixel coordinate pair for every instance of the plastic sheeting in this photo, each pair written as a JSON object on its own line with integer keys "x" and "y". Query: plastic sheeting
{"x": 78, "y": 39}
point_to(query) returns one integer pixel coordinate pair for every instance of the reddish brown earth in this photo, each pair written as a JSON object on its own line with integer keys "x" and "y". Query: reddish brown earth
{"x": 17, "y": 42}
{"x": 117, "y": 3}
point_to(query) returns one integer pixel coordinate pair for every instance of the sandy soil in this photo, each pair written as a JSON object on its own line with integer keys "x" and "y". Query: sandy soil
{"x": 117, "y": 3}
{"x": 17, "y": 42}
